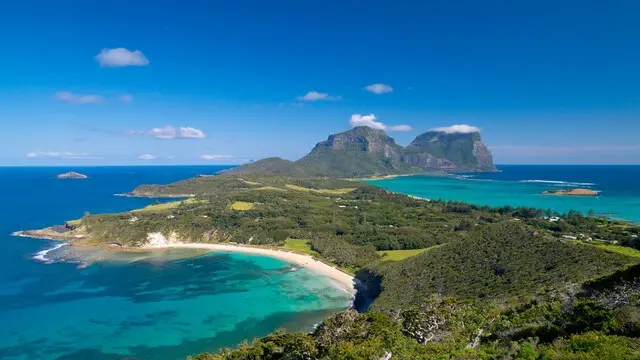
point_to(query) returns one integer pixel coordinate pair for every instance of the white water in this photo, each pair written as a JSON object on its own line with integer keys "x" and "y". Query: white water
{"x": 42, "y": 255}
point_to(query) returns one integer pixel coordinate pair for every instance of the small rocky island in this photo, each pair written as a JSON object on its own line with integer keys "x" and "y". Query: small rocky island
{"x": 72, "y": 175}
{"x": 572, "y": 192}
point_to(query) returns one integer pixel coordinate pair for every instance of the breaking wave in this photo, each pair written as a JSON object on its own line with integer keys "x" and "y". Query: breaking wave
{"x": 558, "y": 183}
{"x": 42, "y": 255}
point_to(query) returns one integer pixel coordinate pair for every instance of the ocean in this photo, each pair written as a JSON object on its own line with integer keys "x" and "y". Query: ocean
{"x": 58, "y": 302}
{"x": 522, "y": 185}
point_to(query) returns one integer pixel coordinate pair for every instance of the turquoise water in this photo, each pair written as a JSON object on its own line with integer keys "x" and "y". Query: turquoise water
{"x": 72, "y": 303}
{"x": 518, "y": 185}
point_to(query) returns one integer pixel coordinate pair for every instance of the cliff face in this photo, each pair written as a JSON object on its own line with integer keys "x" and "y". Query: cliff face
{"x": 362, "y": 139}
{"x": 449, "y": 151}
{"x": 363, "y": 151}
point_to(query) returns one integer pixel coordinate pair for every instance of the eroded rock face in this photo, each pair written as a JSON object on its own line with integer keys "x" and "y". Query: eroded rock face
{"x": 363, "y": 139}
{"x": 363, "y": 151}
{"x": 449, "y": 151}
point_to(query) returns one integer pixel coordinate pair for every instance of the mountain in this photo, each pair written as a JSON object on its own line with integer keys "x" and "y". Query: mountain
{"x": 363, "y": 151}
{"x": 449, "y": 151}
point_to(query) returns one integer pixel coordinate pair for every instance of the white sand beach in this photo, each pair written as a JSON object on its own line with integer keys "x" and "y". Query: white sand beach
{"x": 340, "y": 279}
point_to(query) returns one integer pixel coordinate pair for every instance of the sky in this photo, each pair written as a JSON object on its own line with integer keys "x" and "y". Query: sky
{"x": 223, "y": 82}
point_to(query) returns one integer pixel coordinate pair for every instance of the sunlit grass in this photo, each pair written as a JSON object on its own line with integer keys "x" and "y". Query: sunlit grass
{"x": 168, "y": 205}
{"x": 269, "y": 188}
{"x": 342, "y": 191}
{"x": 299, "y": 245}
{"x": 250, "y": 182}
{"x": 242, "y": 206}
{"x": 397, "y": 255}
{"x": 614, "y": 248}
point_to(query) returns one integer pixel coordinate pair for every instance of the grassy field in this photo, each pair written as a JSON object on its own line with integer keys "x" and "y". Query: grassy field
{"x": 321, "y": 191}
{"x": 269, "y": 188}
{"x": 615, "y": 248}
{"x": 167, "y": 205}
{"x": 397, "y": 255}
{"x": 242, "y": 206}
{"x": 299, "y": 245}
{"x": 250, "y": 182}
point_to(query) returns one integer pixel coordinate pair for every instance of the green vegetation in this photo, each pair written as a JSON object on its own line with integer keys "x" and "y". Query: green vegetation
{"x": 159, "y": 207}
{"x": 496, "y": 262}
{"x": 397, "y": 255}
{"x": 299, "y": 245}
{"x": 242, "y": 206}
{"x": 614, "y": 248}
{"x": 321, "y": 191}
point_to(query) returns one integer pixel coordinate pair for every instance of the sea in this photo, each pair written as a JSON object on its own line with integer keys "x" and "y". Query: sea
{"x": 522, "y": 185}
{"x": 62, "y": 302}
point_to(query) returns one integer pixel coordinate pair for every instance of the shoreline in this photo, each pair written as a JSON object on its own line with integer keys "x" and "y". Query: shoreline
{"x": 339, "y": 278}
{"x": 149, "y": 196}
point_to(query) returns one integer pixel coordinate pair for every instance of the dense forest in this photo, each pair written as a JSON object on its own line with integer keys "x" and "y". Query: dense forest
{"x": 483, "y": 283}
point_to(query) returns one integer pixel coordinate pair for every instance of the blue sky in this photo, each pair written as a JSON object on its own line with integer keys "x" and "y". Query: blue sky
{"x": 220, "y": 82}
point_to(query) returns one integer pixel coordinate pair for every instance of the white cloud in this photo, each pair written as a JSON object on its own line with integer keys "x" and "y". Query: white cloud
{"x": 170, "y": 132}
{"x": 315, "y": 96}
{"x": 120, "y": 57}
{"x": 146, "y": 157}
{"x": 125, "y": 98}
{"x": 370, "y": 121}
{"x": 216, "y": 157}
{"x": 379, "y": 88}
{"x": 457, "y": 129}
{"x": 167, "y": 132}
{"x": 60, "y": 155}
{"x": 70, "y": 97}
{"x": 191, "y": 133}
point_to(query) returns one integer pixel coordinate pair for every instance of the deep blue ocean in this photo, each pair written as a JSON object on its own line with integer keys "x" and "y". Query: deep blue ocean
{"x": 72, "y": 303}
{"x": 520, "y": 185}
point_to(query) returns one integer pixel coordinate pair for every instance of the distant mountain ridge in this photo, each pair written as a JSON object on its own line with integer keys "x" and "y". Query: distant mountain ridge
{"x": 363, "y": 152}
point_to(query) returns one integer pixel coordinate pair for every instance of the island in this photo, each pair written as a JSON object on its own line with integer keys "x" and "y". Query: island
{"x": 435, "y": 279}
{"x": 572, "y": 192}
{"x": 72, "y": 175}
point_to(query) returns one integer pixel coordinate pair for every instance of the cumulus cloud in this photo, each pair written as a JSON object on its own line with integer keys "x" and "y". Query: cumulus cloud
{"x": 216, "y": 157}
{"x": 120, "y": 57}
{"x": 170, "y": 132}
{"x": 70, "y": 97}
{"x": 457, "y": 129}
{"x": 191, "y": 133}
{"x": 379, "y": 88}
{"x": 60, "y": 155}
{"x": 146, "y": 157}
{"x": 315, "y": 96}
{"x": 371, "y": 121}
{"x": 125, "y": 98}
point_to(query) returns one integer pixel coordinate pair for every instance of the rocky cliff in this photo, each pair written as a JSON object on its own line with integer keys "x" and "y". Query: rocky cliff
{"x": 363, "y": 151}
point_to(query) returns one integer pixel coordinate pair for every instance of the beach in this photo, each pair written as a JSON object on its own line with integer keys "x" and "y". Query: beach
{"x": 339, "y": 278}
